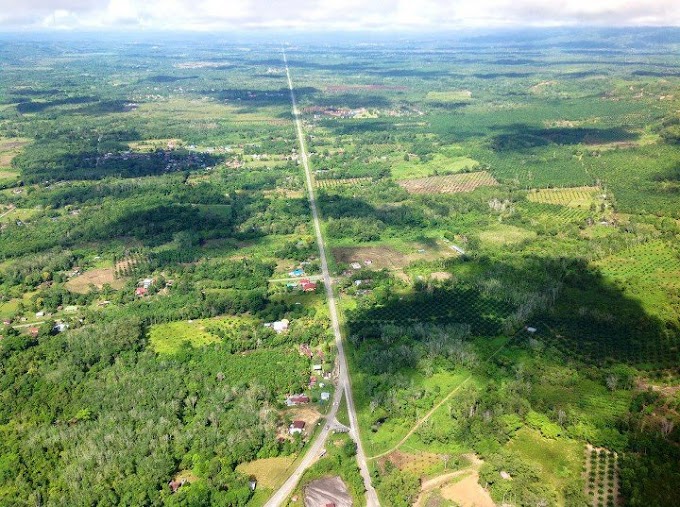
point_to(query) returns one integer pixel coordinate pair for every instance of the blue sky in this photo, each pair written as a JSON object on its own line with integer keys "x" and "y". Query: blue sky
{"x": 204, "y": 15}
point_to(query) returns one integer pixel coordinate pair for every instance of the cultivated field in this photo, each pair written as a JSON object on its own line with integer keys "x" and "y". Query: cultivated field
{"x": 465, "y": 182}
{"x": 576, "y": 197}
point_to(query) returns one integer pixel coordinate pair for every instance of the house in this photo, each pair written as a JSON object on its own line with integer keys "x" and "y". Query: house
{"x": 307, "y": 286}
{"x": 317, "y": 367}
{"x": 296, "y": 427}
{"x": 325, "y": 396}
{"x": 60, "y": 327}
{"x": 141, "y": 291}
{"x": 297, "y": 399}
{"x": 531, "y": 330}
{"x": 7, "y": 322}
{"x": 305, "y": 350}
{"x": 175, "y": 484}
{"x": 40, "y": 314}
{"x": 279, "y": 326}
{"x": 368, "y": 262}
{"x": 355, "y": 265}
{"x": 312, "y": 381}
{"x": 33, "y": 331}
{"x": 146, "y": 283}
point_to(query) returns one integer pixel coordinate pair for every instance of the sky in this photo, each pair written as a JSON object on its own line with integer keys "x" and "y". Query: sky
{"x": 320, "y": 15}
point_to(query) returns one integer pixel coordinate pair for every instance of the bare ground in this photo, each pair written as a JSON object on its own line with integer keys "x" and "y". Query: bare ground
{"x": 330, "y": 490}
{"x": 96, "y": 277}
{"x": 383, "y": 257}
{"x": 468, "y": 493}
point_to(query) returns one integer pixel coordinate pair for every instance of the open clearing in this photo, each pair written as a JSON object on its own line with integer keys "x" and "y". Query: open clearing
{"x": 168, "y": 338}
{"x": 503, "y": 235}
{"x": 468, "y": 493}
{"x": 422, "y": 464}
{"x": 575, "y": 197}
{"x": 384, "y": 257}
{"x": 10, "y": 148}
{"x": 97, "y": 277}
{"x": 454, "y": 183}
{"x": 328, "y": 491}
{"x": 270, "y": 472}
{"x": 449, "y": 97}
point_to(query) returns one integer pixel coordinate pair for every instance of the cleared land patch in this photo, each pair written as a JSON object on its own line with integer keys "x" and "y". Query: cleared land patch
{"x": 269, "y": 472}
{"x": 574, "y": 197}
{"x": 10, "y": 148}
{"x": 97, "y": 277}
{"x": 168, "y": 338}
{"x": 467, "y": 492}
{"x": 465, "y": 182}
{"x": 502, "y": 235}
{"x": 329, "y": 183}
{"x": 328, "y": 491}
{"x": 384, "y": 257}
{"x": 451, "y": 96}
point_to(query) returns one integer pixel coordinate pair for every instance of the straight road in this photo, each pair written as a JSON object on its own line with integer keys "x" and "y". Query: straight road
{"x": 344, "y": 384}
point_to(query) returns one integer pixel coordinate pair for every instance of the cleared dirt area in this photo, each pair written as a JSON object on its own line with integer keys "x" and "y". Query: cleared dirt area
{"x": 364, "y": 87}
{"x": 383, "y": 257}
{"x": 97, "y": 277}
{"x": 468, "y": 493}
{"x": 330, "y": 490}
{"x": 422, "y": 464}
{"x": 10, "y": 148}
{"x": 451, "y": 184}
{"x": 309, "y": 415}
{"x": 270, "y": 472}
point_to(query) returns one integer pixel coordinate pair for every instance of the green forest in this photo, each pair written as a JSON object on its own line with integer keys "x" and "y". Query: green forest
{"x": 502, "y": 220}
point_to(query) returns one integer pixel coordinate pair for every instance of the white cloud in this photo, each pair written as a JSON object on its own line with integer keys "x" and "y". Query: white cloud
{"x": 331, "y": 14}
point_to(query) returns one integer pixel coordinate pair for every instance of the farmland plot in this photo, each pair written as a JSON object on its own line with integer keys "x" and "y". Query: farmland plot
{"x": 451, "y": 184}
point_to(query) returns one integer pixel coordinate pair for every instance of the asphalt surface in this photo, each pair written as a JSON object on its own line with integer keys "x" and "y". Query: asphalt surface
{"x": 344, "y": 383}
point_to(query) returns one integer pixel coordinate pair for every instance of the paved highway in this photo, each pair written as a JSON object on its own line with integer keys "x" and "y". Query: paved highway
{"x": 343, "y": 384}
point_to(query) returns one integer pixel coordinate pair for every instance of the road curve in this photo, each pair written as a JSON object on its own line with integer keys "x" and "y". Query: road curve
{"x": 344, "y": 384}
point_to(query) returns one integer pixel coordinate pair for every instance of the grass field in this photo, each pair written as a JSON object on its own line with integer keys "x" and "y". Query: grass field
{"x": 449, "y": 97}
{"x": 499, "y": 235}
{"x": 270, "y": 472}
{"x": 465, "y": 182}
{"x": 168, "y": 338}
{"x": 560, "y": 460}
{"x": 448, "y": 161}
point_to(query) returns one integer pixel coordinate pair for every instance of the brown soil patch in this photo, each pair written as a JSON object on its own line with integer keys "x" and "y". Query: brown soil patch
{"x": 468, "y": 493}
{"x": 330, "y": 490}
{"x": 383, "y": 257}
{"x": 10, "y": 148}
{"x": 96, "y": 277}
{"x": 421, "y": 464}
{"x": 348, "y": 88}
{"x": 285, "y": 192}
{"x": 309, "y": 415}
{"x": 455, "y": 183}
{"x": 671, "y": 391}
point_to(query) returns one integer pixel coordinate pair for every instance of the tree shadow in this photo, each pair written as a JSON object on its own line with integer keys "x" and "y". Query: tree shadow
{"x": 519, "y": 137}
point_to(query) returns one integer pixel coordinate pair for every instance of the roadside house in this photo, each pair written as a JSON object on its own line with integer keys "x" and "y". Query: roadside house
{"x": 296, "y": 427}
